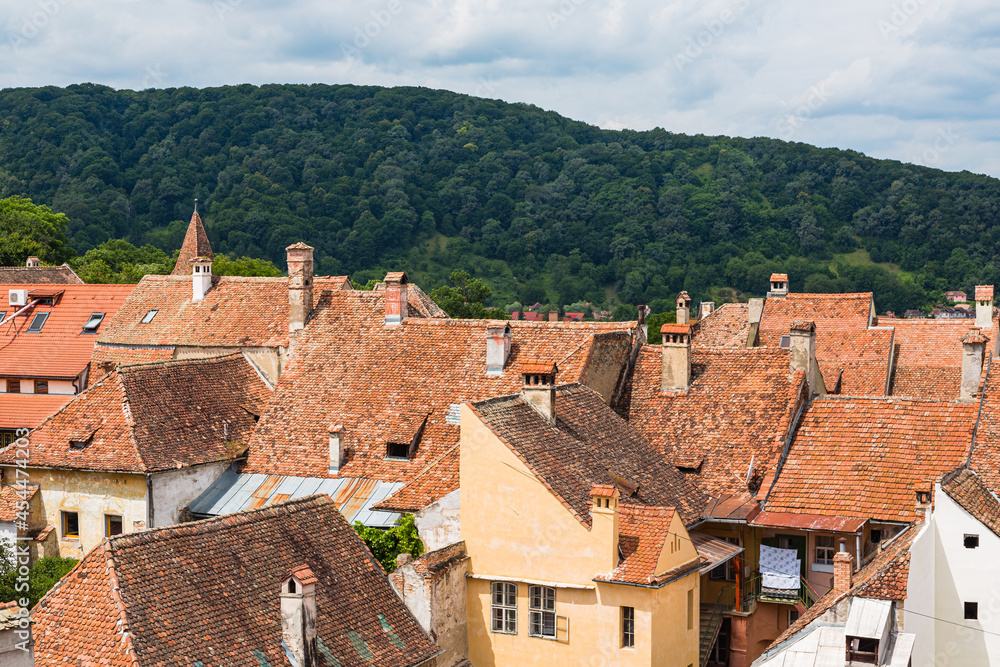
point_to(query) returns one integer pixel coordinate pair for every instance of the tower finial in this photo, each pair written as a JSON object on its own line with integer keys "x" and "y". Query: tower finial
{"x": 195, "y": 204}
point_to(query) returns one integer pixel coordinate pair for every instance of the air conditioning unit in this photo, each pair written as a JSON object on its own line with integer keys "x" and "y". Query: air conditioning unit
{"x": 18, "y": 297}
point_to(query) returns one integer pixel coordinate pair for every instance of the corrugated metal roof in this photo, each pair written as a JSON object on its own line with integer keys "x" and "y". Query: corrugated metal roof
{"x": 868, "y": 618}
{"x": 833, "y": 524}
{"x": 235, "y": 492}
{"x": 716, "y": 550}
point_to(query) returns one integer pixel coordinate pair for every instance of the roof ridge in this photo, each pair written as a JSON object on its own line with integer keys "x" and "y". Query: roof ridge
{"x": 145, "y": 365}
{"x": 116, "y": 599}
{"x": 130, "y": 423}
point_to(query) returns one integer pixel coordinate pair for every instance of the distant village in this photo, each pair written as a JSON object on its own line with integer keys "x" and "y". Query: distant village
{"x": 795, "y": 480}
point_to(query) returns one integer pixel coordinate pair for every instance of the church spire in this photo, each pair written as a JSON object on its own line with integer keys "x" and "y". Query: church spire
{"x": 195, "y": 245}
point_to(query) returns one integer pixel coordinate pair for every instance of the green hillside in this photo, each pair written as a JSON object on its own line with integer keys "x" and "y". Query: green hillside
{"x": 542, "y": 207}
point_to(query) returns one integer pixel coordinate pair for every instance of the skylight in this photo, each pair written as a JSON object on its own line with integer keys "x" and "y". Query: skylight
{"x": 38, "y": 322}
{"x": 95, "y": 321}
{"x": 785, "y": 341}
{"x": 149, "y": 316}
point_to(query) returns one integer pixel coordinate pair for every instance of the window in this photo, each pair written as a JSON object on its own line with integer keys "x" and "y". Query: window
{"x": 13, "y": 386}
{"x": 112, "y": 525}
{"x": 37, "y": 322}
{"x": 504, "y": 607}
{"x": 793, "y": 615}
{"x": 6, "y": 438}
{"x": 149, "y": 316}
{"x": 41, "y": 386}
{"x": 726, "y": 571}
{"x": 785, "y": 341}
{"x": 825, "y": 549}
{"x": 95, "y": 321}
{"x": 70, "y": 525}
{"x": 542, "y": 611}
{"x": 971, "y": 611}
{"x": 876, "y": 535}
{"x": 628, "y": 627}
{"x": 3, "y": 316}
{"x": 397, "y": 450}
{"x": 971, "y": 541}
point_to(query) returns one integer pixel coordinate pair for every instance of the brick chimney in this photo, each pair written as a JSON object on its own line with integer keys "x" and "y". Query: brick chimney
{"x": 300, "y": 285}
{"x": 201, "y": 277}
{"x": 336, "y": 448}
{"x": 984, "y": 306}
{"x": 539, "y": 388}
{"x": 706, "y": 309}
{"x": 802, "y": 346}
{"x": 298, "y": 616}
{"x": 676, "y": 355}
{"x": 779, "y": 286}
{"x": 973, "y": 351}
{"x": 498, "y": 341}
{"x": 843, "y": 565}
{"x": 33, "y": 262}
{"x": 395, "y": 298}
{"x": 604, "y": 525}
{"x": 683, "y": 308}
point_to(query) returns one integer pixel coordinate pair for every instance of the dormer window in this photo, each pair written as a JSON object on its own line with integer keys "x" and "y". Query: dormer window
{"x": 93, "y": 323}
{"x": 398, "y": 451}
{"x": 149, "y": 316}
{"x": 924, "y": 497}
{"x": 785, "y": 341}
{"x": 38, "y": 322}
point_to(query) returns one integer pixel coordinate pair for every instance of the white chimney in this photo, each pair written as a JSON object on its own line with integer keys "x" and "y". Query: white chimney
{"x": 676, "y": 357}
{"x": 539, "y": 388}
{"x": 984, "y": 306}
{"x": 336, "y": 448}
{"x": 706, "y": 309}
{"x": 300, "y": 285}
{"x": 395, "y": 298}
{"x": 498, "y": 341}
{"x": 201, "y": 277}
{"x": 973, "y": 351}
{"x": 298, "y": 616}
{"x": 779, "y": 286}
{"x": 683, "y": 308}
{"x": 33, "y": 262}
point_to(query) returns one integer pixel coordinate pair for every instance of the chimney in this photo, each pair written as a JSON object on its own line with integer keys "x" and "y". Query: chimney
{"x": 641, "y": 319}
{"x": 201, "y": 277}
{"x": 683, "y": 308}
{"x": 924, "y": 496}
{"x": 843, "y": 565}
{"x": 755, "y": 311}
{"x": 984, "y": 306}
{"x": 498, "y": 341}
{"x": 395, "y": 298}
{"x": 300, "y": 285}
{"x": 973, "y": 350}
{"x": 779, "y": 286}
{"x": 604, "y": 525}
{"x": 336, "y": 448}
{"x": 706, "y": 309}
{"x": 803, "y": 353}
{"x": 676, "y": 352}
{"x": 33, "y": 262}
{"x": 298, "y": 616}
{"x": 539, "y": 388}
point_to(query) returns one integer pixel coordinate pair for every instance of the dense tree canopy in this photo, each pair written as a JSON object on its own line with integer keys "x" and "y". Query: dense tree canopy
{"x": 544, "y": 209}
{"x": 27, "y": 229}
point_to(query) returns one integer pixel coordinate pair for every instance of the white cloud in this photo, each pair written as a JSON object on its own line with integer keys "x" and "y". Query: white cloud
{"x": 885, "y": 77}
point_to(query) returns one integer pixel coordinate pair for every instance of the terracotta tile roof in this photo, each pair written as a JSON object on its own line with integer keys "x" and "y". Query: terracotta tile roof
{"x": 11, "y": 497}
{"x": 858, "y": 360}
{"x": 883, "y": 578}
{"x": 642, "y": 532}
{"x": 928, "y": 360}
{"x": 154, "y": 417}
{"x": 381, "y": 383}
{"x": 738, "y": 409}
{"x": 209, "y": 592}
{"x": 39, "y": 275}
{"x": 966, "y": 488}
{"x": 236, "y": 312}
{"x": 863, "y": 457}
{"x": 106, "y": 357}
{"x": 431, "y": 484}
{"x": 830, "y": 312}
{"x": 195, "y": 245}
{"x": 675, "y": 328}
{"x": 779, "y": 278}
{"x": 984, "y": 292}
{"x": 590, "y": 444}
{"x": 9, "y": 615}
{"x": 727, "y": 327}
{"x": 29, "y": 410}
{"x": 61, "y": 349}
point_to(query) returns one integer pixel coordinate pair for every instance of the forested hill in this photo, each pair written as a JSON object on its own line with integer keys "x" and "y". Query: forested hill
{"x": 542, "y": 207}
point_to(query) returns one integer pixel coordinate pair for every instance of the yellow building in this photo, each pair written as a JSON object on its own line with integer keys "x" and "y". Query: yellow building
{"x": 575, "y": 532}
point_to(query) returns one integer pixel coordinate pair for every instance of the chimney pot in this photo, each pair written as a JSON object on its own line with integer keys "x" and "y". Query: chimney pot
{"x": 498, "y": 342}
{"x": 676, "y": 357}
{"x": 539, "y": 388}
{"x": 298, "y": 616}
{"x": 683, "y": 308}
{"x": 395, "y": 298}
{"x": 843, "y": 564}
{"x": 201, "y": 278}
{"x": 300, "y": 285}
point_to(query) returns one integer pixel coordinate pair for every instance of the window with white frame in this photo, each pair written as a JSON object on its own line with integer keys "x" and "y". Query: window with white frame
{"x": 504, "y": 607}
{"x": 628, "y": 627}
{"x": 542, "y": 612}
{"x": 825, "y": 549}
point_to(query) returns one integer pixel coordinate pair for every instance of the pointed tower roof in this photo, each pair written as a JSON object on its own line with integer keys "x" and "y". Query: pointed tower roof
{"x": 195, "y": 245}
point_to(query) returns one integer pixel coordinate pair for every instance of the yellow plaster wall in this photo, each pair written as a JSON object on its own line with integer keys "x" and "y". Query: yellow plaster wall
{"x": 677, "y": 548}
{"x": 92, "y": 495}
{"x": 677, "y": 638}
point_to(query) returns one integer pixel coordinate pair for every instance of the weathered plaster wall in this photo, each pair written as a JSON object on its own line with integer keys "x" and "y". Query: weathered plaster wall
{"x": 438, "y": 524}
{"x": 10, "y": 655}
{"x": 920, "y": 596}
{"x": 92, "y": 495}
{"x": 175, "y": 489}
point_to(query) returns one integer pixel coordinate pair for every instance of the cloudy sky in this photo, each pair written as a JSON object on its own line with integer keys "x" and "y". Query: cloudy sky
{"x": 912, "y": 80}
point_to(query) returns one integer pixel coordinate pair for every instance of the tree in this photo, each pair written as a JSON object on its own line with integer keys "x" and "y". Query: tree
{"x": 118, "y": 261}
{"x": 43, "y": 575}
{"x": 386, "y": 545}
{"x": 28, "y": 229}
{"x": 465, "y": 298}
